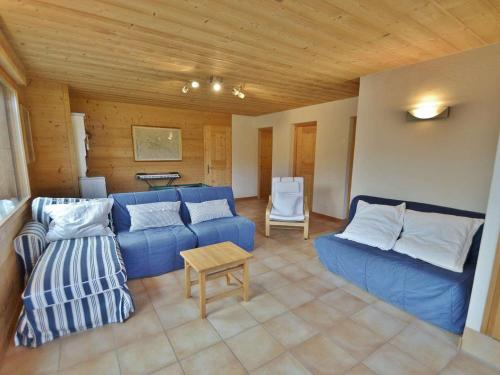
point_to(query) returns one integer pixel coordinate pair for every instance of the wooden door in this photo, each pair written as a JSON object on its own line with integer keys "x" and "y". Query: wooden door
{"x": 265, "y": 162}
{"x": 491, "y": 323}
{"x": 350, "y": 160}
{"x": 304, "y": 154}
{"x": 217, "y": 143}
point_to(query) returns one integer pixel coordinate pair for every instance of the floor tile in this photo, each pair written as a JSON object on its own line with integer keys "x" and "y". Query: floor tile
{"x": 424, "y": 347}
{"x": 294, "y": 272}
{"x": 271, "y": 280}
{"x": 192, "y": 337}
{"x": 173, "y": 369}
{"x": 231, "y": 321}
{"x": 106, "y": 363}
{"x": 264, "y": 307}
{"x": 390, "y": 360}
{"x": 215, "y": 360}
{"x": 322, "y": 356}
{"x": 360, "y": 369}
{"x": 316, "y": 286}
{"x": 83, "y": 346}
{"x": 358, "y": 340}
{"x": 437, "y": 332}
{"x": 254, "y": 347}
{"x": 136, "y": 327}
{"x": 21, "y": 360}
{"x": 141, "y": 302}
{"x": 313, "y": 266}
{"x": 331, "y": 277}
{"x": 166, "y": 295}
{"x": 394, "y": 311}
{"x": 343, "y": 301}
{"x": 384, "y": 324}
{"x": 257, "y": 268}
{"x": 146, "y": 355}
{"x": 136, "y": 286}
{"x": 291, "y": 295}
{"x": 284, "y": 364}
{"x": 464, "y": 364}
{"x": 295, "y": 256}
{"x": 289, "y": 329}
{"x": 275, "y": 262}
{"x": 358, "y": 292}
{"x": 318, "y": 314}
{"x": 165, "y": 280}
{"x": 177, "y": 314}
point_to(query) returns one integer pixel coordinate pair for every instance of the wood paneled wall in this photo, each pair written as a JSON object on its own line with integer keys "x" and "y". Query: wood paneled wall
{"x": 54, "y": 172}
{"x": 111, "y": 149}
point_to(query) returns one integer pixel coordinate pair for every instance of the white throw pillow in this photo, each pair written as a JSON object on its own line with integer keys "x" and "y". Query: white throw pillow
{"x": 80, "y": 219}
{"x": 154, "y": 215}
{"x": 438, "y": 239}
{"x": 286, "y": 204}
{"x": 208, "y": 210}
{"x": 376, "y": 225}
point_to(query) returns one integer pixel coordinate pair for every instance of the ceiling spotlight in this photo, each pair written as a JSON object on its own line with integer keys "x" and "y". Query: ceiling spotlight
{"x": 216, "y": 83}
{"x": 195, "y": 84}
{"x": 185, "y": 89}
{"x": 237, "y": 92}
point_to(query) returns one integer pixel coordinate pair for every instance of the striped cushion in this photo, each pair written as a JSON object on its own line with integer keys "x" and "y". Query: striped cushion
{"x": 36, "y": 327}
{"x": 38, "y": 204}
{"x": 208, "y": 210}
{"x": 154, "y": 215}
{"x": 73, "y": 269}
{"x": 30, "y": 244}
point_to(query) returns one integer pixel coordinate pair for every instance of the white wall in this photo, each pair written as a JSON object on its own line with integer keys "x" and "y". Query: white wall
{"x": 487, "y": 251}
{"x": 331, "y": 150}
{"x": 244, "y": 157}
{"x": 446, "y": 162}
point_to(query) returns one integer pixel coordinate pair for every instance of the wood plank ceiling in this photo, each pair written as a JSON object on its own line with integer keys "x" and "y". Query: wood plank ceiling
{"x": 287, "y": 53}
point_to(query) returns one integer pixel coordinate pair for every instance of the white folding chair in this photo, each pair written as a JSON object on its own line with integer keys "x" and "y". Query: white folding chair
{"x": 287, "y": 205}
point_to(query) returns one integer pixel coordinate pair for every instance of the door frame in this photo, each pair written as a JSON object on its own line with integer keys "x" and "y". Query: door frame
{"x": 259, "y": 166}
{"x": 294, "y": 165}
{"x": 351, "y": 145}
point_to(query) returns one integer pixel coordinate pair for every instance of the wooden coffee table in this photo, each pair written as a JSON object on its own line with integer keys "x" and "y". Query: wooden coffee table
{"x": 212, "y": 262}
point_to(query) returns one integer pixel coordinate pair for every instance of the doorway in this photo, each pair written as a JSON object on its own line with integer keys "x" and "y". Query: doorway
{"x": 217, "y": 145}
{"x": 304, "y": 152}
{"x": 350, "y": 160}
{"x": 265, "y": 162}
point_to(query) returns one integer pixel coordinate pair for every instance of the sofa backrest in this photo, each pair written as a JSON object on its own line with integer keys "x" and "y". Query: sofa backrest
{"x": 39, "y": 203}
{"x": 120, "y": 214}
{"x": 424, "y": 207}
{"x": 202, "y": 194}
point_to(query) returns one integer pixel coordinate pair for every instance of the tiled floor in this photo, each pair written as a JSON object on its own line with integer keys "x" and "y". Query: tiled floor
{"x": 301, "y": 319}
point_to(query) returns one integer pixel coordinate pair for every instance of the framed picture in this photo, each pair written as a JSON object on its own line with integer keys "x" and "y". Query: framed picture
{"x": 27, "y": 136}
{"x": 156, "y": 144}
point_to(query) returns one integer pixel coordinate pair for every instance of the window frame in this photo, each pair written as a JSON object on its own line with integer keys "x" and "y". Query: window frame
{"x": 19, "y": 153}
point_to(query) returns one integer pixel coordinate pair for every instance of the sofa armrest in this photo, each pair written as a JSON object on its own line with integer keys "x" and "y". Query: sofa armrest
{"x": 30, "y": 244}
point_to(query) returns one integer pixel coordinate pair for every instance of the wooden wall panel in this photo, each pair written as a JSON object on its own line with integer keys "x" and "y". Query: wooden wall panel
{"x": 54, "y": 172}
{"x": 111, "y": 149}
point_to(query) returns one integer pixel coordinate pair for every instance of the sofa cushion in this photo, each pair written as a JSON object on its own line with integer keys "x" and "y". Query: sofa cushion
{"x": 237, "y": 229}
{"x": 37, "y": 208}
{"x": 197, "y": 195}
{"x": 120, "y": 213}
{"x": 72, "y": 269}
{"x": 154, "y": 251}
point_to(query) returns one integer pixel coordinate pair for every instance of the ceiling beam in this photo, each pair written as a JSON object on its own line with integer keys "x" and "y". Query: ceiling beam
{"x": 10, "y": 62}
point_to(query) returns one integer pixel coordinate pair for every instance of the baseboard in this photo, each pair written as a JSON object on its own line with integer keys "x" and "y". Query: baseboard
{"x": 481, "y": 346}
{"x": 327, "y": 217}
{"x": 253, "y": 197}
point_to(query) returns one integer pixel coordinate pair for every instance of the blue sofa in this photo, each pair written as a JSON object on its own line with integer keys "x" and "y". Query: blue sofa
{"x": 156, "y": 251}
{"x": 237, "y": 229}
{"x": 431, "y": 293}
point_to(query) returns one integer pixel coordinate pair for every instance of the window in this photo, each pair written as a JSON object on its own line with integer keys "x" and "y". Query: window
{"x": 14, "y": 188}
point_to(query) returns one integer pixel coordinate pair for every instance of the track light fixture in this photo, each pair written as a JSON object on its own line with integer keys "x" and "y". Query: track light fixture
{"x": 185, "y": 89}
{"x": 195, "y": 84}
{"x": 190, "y": 85}
{"x": 237, "y": 91}
{"x": 215, "y": 83}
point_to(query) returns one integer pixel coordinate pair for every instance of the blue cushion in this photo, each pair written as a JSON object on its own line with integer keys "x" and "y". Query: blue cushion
{"x": 237, "y": 229}
{"x": 121, "y": 216}
{"x": 154, "y": 251}
{"x": 431, "y": 293}
{"x": 202, "y": 194}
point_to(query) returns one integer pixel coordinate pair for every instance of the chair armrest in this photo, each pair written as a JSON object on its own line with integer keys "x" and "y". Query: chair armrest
{"x": 306, "y": 208}
{"x": 269, "y": 206}
{"x": 30, "y": 244}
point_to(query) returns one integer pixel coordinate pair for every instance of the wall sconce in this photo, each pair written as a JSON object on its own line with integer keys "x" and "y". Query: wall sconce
{"x": 428, "y": 111}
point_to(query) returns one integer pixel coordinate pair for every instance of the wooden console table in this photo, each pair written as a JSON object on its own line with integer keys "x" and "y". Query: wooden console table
{"x": 212, "y": 262}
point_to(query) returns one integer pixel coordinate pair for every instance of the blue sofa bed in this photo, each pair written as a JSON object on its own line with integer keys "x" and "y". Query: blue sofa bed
{"x": 156, "y": 251}
{"x": 431, "y": 293}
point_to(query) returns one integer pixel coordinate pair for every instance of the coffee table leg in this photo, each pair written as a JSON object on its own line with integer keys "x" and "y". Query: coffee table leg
{"x": 245, "y": 281}
{"x": 203, "y": 305}
{"x": 228, "y": 278}
{"x": 187, "y": 279}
